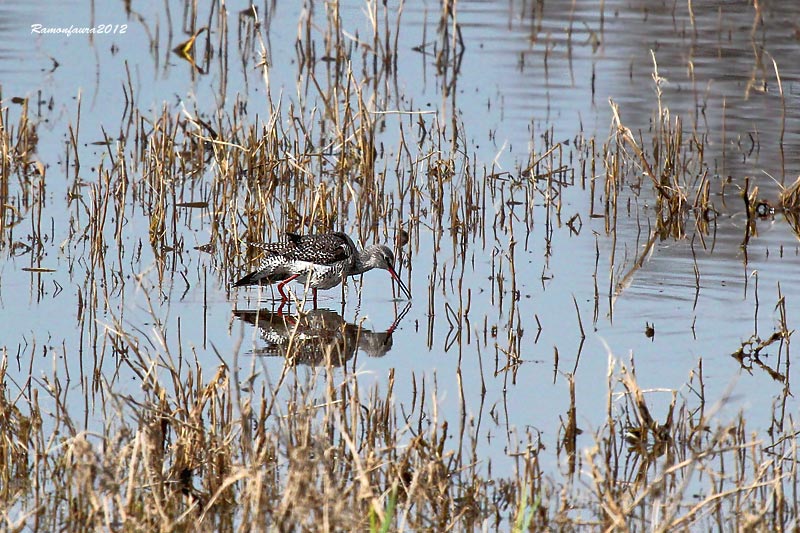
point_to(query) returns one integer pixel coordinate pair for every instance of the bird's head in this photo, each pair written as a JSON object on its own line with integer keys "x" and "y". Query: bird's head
{"x": 380, "y": 256}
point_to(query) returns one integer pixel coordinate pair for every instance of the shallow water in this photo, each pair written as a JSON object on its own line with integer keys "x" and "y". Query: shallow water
{"x": 526, "y": 72}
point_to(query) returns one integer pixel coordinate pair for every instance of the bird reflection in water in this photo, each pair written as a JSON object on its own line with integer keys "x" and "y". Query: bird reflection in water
{"x": 317, "y": 337}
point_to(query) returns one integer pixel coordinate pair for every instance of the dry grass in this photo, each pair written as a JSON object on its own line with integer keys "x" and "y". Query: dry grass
{"x": 674, "y": 167}
{"x": 318, "y": 451}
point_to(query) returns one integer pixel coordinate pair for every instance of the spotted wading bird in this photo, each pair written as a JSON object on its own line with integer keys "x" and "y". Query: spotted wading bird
{"x": 320, "y": 261}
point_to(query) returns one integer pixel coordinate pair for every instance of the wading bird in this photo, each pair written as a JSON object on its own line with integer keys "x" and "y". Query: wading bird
{"x": 320, "y": 261}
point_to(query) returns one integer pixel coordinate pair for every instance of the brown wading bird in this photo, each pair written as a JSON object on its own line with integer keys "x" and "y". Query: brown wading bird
{"x": 320, "y": 261}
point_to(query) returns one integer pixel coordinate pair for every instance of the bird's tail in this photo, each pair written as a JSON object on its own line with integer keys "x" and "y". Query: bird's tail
{"x": 250, "y": 279}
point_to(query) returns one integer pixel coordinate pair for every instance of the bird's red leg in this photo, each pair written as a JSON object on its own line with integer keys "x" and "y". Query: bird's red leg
{"x": 285, "y": 298}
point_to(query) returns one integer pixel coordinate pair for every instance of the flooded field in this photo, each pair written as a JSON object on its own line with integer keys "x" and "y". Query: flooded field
{"x": 595, "y": 206}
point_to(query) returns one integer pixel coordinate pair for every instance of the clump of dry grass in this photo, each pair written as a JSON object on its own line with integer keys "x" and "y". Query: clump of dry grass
{"x": 674, "y": 166}
{"x": 322, "y": 451}
{"x": 690, "y": 471}
{"x": 790, "y": 196}
{"x": 21, "y": 176}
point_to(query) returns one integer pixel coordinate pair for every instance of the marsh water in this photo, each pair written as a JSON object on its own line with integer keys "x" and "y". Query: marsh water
{"x": 513, "y": 293}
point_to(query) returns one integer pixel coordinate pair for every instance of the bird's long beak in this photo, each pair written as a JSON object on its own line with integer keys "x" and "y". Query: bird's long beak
{"x": 400, "y": 282}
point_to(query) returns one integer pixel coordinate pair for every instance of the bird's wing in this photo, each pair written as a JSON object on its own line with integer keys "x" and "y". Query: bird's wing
{"x": 325, "y": 249}
{"x": 322, "y": 249}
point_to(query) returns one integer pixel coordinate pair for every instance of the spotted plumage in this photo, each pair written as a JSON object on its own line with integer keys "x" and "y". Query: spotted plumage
{"x": 319, "y": 261}
{"x": 323, "y": 258}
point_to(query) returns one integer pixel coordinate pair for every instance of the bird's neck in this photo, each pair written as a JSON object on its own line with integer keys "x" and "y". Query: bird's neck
{"x": 363, "y": 262}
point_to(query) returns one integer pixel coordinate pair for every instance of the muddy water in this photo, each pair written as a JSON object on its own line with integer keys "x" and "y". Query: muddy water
{"x": 528, "y": 76}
